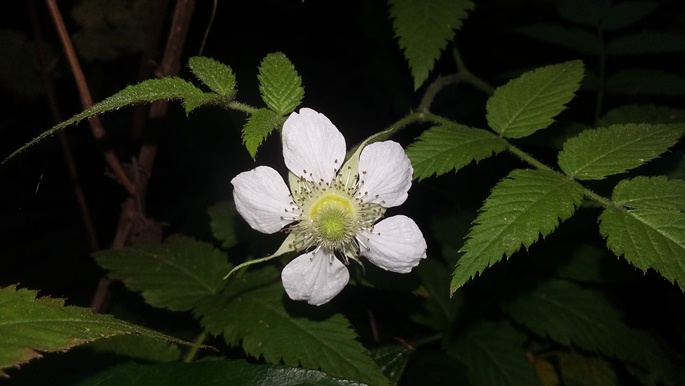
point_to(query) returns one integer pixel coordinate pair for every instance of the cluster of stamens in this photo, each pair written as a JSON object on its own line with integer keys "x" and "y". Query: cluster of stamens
{"x": 330, "y": 214}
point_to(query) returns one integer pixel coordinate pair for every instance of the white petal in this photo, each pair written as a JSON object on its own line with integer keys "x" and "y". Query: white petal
{"x": 261, "y": 197}
{"x": 315, "y": 277}
{"x": 386, "y": 173}
{"x": 396, "y": 244}
{"x": 312, "y": 146}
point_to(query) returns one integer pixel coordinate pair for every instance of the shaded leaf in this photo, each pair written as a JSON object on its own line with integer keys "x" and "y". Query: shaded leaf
{"x": 530, "y": 102}
{"x": 424, "y": 28}
{"x": 30, "y": 326}
{"x": 136, "y": 347}
{"x": 222, "y": 222}
{"x": 280, "y": 84}
{"x": 646, "y": 42}
{"x": 585, "y": 12}
{"x": 443, "y": 148}
{"x": 643, "y": 81}
{"x": 626, "y": 13}
{"x": 440, "y": 308}
{"x": 523, "y": 206}
{"x": 642, "y": 114}
{"x": 215, "y": 75}
{"x": 258, "y": 127}
{"x": 596, "y": 154}
{"x": 176, "y": 275}
{"x": 578, "y": 39}
{"x": 392, "y": 360}
{"x": 584, "y": 370}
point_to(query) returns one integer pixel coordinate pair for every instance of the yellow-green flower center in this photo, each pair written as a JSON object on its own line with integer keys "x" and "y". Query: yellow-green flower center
{"x": 333, "y": 217}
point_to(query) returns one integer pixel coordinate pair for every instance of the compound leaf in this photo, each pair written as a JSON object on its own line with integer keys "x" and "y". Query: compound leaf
{"x": 280, "y": 84}
{"x": 258, "y": 127}
{"x": 523, "y": 206}
{"x": 530, "y": 102}
{"x": 215, "y": 75}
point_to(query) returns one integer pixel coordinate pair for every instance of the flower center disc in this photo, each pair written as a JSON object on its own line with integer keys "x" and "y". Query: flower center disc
{"x": 333, "y": 217}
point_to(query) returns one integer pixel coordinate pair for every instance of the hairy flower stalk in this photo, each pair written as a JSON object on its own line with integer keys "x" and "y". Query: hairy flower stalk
{"x": 332, "y": 213}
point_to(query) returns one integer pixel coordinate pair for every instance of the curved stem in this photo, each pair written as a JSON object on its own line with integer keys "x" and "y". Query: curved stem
{"x": 190, "y": 356}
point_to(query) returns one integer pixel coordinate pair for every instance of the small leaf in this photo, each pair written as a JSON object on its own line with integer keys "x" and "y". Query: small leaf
{"x": 424, "y": 28}
{"x": 627, "y": 13}
{"x": 494, "y": 355}
{"x": 523, "y": 206}
{"x": 215, "y": 75}
{"x": 258, "y": 127}
{"x": 642, "y": 114}
{"x": 251, "y": 311}
{"x": 575, "y": 38}
{"x": 213, "y": 372}
{"x": 646, "y": 42}
{"x": 30, "y": 326}
{"x": 279, "y": 84}
{"x": 530, "y": 102}
{"x": 222, "y": 222}
{"x": 596, "y": 154}
{"x": 443, "y": 148}
{"x": 176, "y": 275}
{"x": 650, "y": 231}
{"x": 645, "y": 82}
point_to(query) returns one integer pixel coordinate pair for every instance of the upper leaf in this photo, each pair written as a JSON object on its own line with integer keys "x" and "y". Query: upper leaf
{"x": 650, "y": 231}
{"x": 252, "y": 309}
{"x": 258, "y": 127}
{"x": 29, "y": 326}
{"x": 279, "y": 83}
{"x": 523, "y": 206}
{"x": 443, "y": 148}
{"x": 595, "y": 154}
{"x": 530, "y": 102}
{"x": 424, "y": 28}
{"x": 215, "y": 75}
{"x": 176, "y": 275}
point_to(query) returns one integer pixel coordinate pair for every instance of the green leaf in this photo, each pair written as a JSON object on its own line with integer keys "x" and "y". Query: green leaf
{"x": 643, "y": 81}
{"x": 150, "y": 90}
{"x": 222, "y": 222}
{"x": 253, "y": 310}
{"x": 136, "y": 347}
{"x": 424, "y": 28}
{"x": 217, "y": 372}
{"x": 279, "y": 84}
{"x": 30, "y": 326}
{"x": 584, "y": 12}
{"x": 575, "y": 38}
{"x": 494, "y": 355}
{"x": 627, "y": 13}
{"x": 530, "y": 102}
{"x": 596, "y": 154}
{"x": 443, "y": 148}
{"x": 649, "y": 231}
{"x": 258, "y": 127}
{"x": 176, "y": 275}
{"x": 441, "y": 309}
{"x": 646, "y": 42}
{"x": 584, "y": 370}
{"x": 215, "y": 75}
{"x": 523, "y": 206}
{"x": 642, "y": 114}
{"x": 393, "y": 360}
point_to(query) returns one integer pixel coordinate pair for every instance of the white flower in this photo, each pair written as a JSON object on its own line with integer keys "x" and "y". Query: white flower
{"x": 331, "y": 212}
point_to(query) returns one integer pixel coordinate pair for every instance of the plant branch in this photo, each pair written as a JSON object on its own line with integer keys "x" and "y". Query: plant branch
{"x": 190, "y": 356}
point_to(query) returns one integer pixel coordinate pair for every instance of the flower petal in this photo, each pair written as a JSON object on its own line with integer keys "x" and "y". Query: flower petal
{"x": 313, "y": 147}
{"x": 396, "y": 244}
{"x": 385, "y": 172}
{"x": 261, "y": 197}
{"x": 316, "y": 277}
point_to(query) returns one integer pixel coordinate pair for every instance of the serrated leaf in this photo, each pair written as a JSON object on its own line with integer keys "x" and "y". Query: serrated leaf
{"x": 136, "y": 347}
{"x": 646, "y": 42}
{"x": 222, "y": 222}
{"x": 424, "y": 28}
{"x": 596, "y": 154}
{"x": 530, "y": 102}
{"x": 494, "y": 356}
{"x": 252, "y": 311}
{"x": 627, "y": 13}
{"x": 643, "y": 81}
{"x": 521, "y": 208}
{"x": 215, "y": 75}
{"x": 224, "y": 372}
{"x": 279, "y": 84}
{"x": 441, "y": 149}
{"x": 584, "y": 370}
{"x": 30, "y": 326}
{"x": 392, "y": 360}
{"x": 642, "y": 114}
{"x": 649, "y": 231}
{"x": 176, "y": 275}
{"x": 169, "y": 88}
{"x": 585, "y": 12}
{"x": 575, "y": 38}
{"x": 258, "y": 127}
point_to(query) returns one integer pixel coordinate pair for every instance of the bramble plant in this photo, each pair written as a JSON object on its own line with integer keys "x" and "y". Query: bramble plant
{"x": 535, "y": 222}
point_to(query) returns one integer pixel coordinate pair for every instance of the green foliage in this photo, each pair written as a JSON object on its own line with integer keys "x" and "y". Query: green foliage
{"x": 642, "y": 114}
{"x": 441, "y": 149}
{"x": 580, "y": 370}
{"x": 646, "y": 42}
{"x": 222, "y": 221}
{"x": 575, "y": 38}
{"x": 176, "y": 275}
{"x": 258, "y": 127}
{"x": 215, "y": 75}
{"x": 530, "y": 102}
{"x": 30, "y": 326}
{"x": 648, "y": 228}
{"x": 424, "y": 28}
{"x": 523, "y": 206}
{"x": 644, "y": 81}
{"x": 252, "y": 312}
{"x": 596, "y": 154}
{"x": 280, "y": 84}
{"x": 392, "y": 360}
